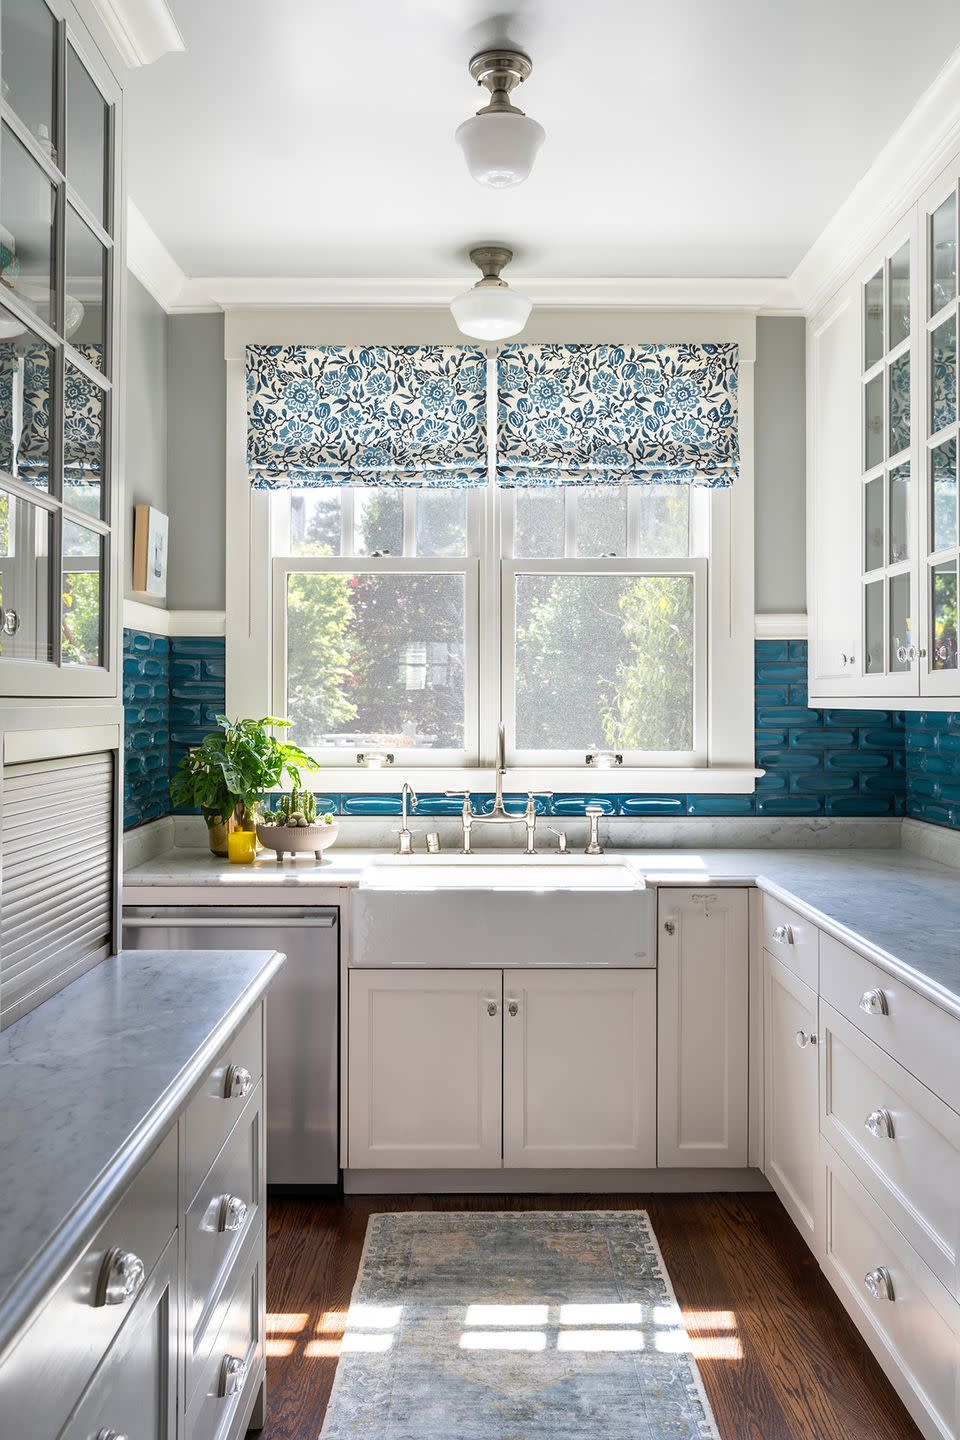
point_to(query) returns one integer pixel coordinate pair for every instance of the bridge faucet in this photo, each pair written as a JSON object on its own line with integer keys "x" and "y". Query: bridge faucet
{"x": 499, "y": 815}
{"x": 404, "y": 834}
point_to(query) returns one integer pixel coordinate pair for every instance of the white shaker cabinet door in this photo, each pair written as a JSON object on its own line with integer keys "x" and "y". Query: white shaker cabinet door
{"x": 790, "y": 1091}
{"x": 425, "y": 1069}
{"x": 703, "y": 964}
{"x": 579, "y": 1069}
{"x": 834, "y": 496}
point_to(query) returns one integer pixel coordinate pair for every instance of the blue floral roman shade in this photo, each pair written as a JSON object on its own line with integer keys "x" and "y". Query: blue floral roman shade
{"x": 25, "y": 416}
{"x": 412, "y": 415}
{"x": 617, "y": 414}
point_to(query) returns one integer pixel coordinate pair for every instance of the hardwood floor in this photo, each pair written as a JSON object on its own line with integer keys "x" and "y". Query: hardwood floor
{"x": 802, "y": 1371}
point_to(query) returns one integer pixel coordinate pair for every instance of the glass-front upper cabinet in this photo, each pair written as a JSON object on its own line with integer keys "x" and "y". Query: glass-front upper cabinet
{"x": 59, "y": 116}
{"x": 888, "y": 384}
{"x": 939, "y": 526}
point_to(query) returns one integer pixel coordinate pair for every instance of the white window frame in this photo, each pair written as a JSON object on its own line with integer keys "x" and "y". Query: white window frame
{"x": 726, "y": 540}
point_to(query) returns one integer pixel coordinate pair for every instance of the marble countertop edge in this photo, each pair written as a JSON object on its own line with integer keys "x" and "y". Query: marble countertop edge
{"x": 45, "y": 1268}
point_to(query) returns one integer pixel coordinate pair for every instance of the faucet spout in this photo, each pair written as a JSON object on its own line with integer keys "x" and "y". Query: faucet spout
{"x": 501, "y": 767}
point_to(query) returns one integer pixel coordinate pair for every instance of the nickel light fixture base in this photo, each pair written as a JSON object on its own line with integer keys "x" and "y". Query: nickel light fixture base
{"x": 500, "y": 143}
{"x": 491, "y": 310}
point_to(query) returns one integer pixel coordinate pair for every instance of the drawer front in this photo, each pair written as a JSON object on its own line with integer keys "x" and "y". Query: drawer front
{"x": 225, "y": 1210}
{"x": 898, "y": 1138}
{"x": 135, "y": 1390}
{"x": 918, "y": 1328}
{"x": 917, "y": 1033}
{"x": 212, "y": 1413}
{"x": 49, "y": 1369}
{"x": 212, "y": 1113}
{"x": 795, "y": 942}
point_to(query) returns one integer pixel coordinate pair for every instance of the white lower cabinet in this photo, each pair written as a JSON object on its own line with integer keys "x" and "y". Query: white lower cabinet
{"x": 703, "y": 962}
{"x": 425, "y": 1069}
{"x": 467, "y": 1069}
{"x": 579, "y": 1068}
{"x": 790, "y": 1091}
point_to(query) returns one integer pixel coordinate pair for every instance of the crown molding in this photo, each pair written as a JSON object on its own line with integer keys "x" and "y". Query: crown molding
{"x": 791, "y": 626}
{"x": 151, "y": 262}
{"x": 141, "y": 30}
{"x": 910, "y": 161}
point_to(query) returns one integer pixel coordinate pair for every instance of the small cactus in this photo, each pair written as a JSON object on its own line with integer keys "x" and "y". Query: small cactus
{"x": 298, "y": 809}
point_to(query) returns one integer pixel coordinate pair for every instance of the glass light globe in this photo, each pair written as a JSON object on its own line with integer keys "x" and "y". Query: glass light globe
{"x": 491, "y": 311}
{"x": 500, "y": 148}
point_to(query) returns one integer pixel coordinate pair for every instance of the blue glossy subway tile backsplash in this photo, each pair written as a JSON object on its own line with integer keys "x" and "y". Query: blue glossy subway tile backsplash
{"x": 817, "y": 762}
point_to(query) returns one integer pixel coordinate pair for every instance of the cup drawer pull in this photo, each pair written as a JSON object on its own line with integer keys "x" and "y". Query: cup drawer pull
{"x": 880, "y": 1124}
{"x": 879, "y": 1283}
{"x": 874, "y": 1002}
{"x": 232, "y": 1214}
{"x": 121, "y": 1276}
{"x": 233, "y": 1373}
{"x": 784, "y": 935}
{"x": 238, "y": 1083}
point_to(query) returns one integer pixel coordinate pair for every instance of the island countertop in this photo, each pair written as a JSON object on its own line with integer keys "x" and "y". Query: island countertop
{"x": 89, "y": 1083}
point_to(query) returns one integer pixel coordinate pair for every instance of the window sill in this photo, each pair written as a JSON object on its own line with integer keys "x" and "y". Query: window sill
{"x": 704, "y": 780}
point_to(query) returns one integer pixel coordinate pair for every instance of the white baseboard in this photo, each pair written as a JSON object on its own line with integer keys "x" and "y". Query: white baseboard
{"x": 549, "y": 1182}
{"x": 156, "y": 620}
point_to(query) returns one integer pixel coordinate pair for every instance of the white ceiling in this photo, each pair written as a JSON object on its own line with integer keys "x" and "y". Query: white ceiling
{"x": 685, "y": 138}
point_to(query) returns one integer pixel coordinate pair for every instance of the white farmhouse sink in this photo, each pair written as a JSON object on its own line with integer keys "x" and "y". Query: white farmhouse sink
{"x": 507, "y": 910}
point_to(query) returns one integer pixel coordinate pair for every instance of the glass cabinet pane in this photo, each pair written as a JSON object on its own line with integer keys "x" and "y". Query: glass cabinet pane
{"x": 943, "y": 375}
{"x": 898, "y": 303}
{"x": 28, "y": 38}
{"x": 873, "y": 422}
{"x": 944, "y": 612}
{"x": 601, "y": 521}
{"x": 943, "y": 498}
{"x": 943, "y": 254}
{"x": 873, "y": 320}
{"x": 873, "y": 546}
{"x": 26, "y": 368}
{"x": 86, "y": 167}
{"x": 85, "y": 284}
{"x": 83, "y": 434}
{"x": 873, "y": 627}
{"x": 27, "y": 211}
{"x": 25, "y": 547}
{"x": 899, "y": 405}
{"x": 901, "y": 625}
{"x": 899, "y": 519}
{"x": 81, "y": 640}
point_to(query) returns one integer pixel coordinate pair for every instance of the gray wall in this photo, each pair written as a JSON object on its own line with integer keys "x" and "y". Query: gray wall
{"x": 196, "y": 461}
{"x": 780, "y": 464}
{"x": 145, "y": 480}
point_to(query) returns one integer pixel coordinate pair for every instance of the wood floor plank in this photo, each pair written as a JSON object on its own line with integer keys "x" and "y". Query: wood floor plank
{"x": 799, "y": 1369}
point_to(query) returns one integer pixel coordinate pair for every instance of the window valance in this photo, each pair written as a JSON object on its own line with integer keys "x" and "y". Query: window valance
{"x": 617, "y": 414}
{"x": 372, "y": 415}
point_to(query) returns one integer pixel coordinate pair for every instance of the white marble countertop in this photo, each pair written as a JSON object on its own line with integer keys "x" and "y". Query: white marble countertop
{"x": 892, "y": 904}
{"x": 90, "y": 1081}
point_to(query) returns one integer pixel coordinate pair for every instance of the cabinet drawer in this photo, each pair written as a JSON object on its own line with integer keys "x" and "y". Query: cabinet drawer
{"x": 916, "y": 1331}
{"x": 225, "y": 1209}
{"x": 795, "y": 942}
{"x": 917, "y": 1033}
{"x": 49, "y": 1368}
{"x": 213, "y": 1112}
{"x": 135, "y": 1390}
{"x": 898, "y": 1138}
{"x": 211, "y": 1413}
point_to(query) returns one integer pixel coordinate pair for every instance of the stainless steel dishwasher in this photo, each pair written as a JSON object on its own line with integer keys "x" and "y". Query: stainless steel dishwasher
{"x": 302, "y": 1019}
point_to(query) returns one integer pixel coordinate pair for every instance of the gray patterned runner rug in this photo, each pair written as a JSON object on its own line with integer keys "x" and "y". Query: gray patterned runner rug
{"x": 541, "y": 1325}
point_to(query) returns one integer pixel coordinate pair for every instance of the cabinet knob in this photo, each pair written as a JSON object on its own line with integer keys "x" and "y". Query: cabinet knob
{"x": 670, "y": 926}
{"x": 805, "y": 1038}
{"x": 109, "y": 1434}
{"x": 492, "y": 1008}
{"x": 238, "y": 1082}
{"x": 783, "y": 935}
{"x": 233, "y": 1213}
{"x": 121, "y": 1276}
{"x": 880, "y": 1124}
{"x": 233, "y": 1373}
{"x": 513, "y": 1008}
{"x": 846, "y": 659}
{"x": 879, "y": 1283}
{"x": 874, "y": 1002}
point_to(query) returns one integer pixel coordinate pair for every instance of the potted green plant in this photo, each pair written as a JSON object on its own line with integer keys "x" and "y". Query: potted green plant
{"x": 227, "y": 775}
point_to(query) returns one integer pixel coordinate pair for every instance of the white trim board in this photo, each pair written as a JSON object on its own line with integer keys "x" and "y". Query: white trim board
{"x": 792, "y": 626}
{"x": 142, "y": 30}
{"x": 155, "y": 620}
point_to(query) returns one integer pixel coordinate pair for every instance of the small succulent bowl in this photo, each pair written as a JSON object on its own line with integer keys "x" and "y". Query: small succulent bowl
{"x": 298, "y": 839}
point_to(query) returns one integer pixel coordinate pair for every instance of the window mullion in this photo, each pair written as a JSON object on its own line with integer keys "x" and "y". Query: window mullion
{"x": 347, "y": 538}
{"x": 410, "y": 522}
{"x": 570, "y": 511}
{"x": 634, "y": 536}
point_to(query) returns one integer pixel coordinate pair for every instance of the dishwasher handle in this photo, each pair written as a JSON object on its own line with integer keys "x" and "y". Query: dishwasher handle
{"x": 322, "y": 922}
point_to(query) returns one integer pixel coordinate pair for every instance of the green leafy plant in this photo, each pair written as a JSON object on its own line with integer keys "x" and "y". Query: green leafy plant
{"x": 230, "y": 771}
